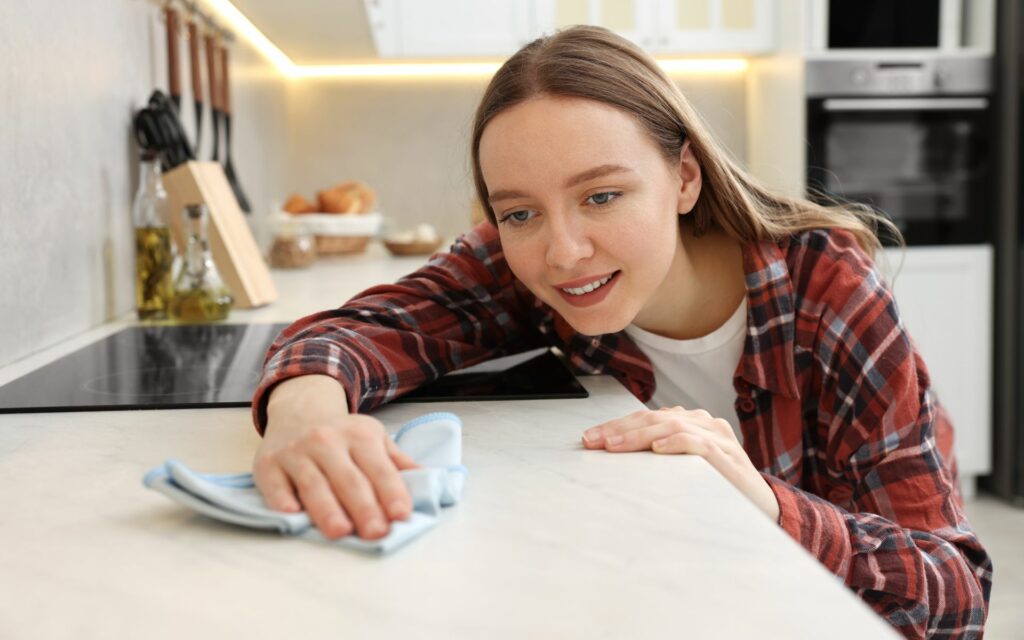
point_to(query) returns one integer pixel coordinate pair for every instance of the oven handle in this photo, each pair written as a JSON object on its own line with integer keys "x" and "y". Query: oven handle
{"x": 905, "y": 104}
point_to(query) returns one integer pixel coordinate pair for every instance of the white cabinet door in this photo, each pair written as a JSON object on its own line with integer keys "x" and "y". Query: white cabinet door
{"x": 715, "y": 26}
{"x": 632, "y": 19}
{"x": 449, "y": 28}
{"x": 944, "y": 295}
{"x": 489, "y": 28}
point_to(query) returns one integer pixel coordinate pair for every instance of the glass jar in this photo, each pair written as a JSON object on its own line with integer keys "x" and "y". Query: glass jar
{"x": 153, "y": 256}
{"x": 199, "y": 293}
{"x": 293, "y": 246}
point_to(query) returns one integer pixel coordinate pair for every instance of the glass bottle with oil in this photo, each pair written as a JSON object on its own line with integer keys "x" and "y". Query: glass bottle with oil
{"x": 153, "y": 257}
{"x": 199, "y": 293}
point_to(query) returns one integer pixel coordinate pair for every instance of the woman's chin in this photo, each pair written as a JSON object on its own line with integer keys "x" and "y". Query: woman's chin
{"x": 592, "y": 324}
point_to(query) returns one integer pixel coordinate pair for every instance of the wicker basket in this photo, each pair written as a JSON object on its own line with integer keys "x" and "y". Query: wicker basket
{"x": 412, "y": 248}
{"x": 340, "y": 245}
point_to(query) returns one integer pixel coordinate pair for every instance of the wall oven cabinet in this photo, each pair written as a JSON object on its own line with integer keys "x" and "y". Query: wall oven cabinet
{"x": 913, "y": 138}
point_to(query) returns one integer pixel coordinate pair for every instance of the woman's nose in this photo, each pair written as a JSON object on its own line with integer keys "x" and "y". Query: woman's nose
{"x": 568, "y": 242}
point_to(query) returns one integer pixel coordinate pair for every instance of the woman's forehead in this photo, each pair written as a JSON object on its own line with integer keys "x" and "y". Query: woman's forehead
{"x": 564, "y": 135}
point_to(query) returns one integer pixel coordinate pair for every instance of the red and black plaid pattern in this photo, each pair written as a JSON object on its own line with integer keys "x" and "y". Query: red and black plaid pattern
{"x": 834, "y": 402}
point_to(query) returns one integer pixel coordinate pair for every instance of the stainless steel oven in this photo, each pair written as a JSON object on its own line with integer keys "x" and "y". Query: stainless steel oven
{"x": 909, "y": 137}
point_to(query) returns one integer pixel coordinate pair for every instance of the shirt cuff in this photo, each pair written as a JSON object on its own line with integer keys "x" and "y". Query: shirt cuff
{"x": 818, "y": 525}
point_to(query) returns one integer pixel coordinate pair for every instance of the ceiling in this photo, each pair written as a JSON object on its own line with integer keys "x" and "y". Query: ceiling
{"x": 314, "y": 32}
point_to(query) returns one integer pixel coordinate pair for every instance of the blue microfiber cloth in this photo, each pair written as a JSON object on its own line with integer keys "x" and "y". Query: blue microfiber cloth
{"x": 433, "y": 440}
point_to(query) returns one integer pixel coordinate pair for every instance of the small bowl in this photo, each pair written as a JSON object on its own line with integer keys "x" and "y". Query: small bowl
{"x": 341, "y": 245}
{"x": 415, "y": 248}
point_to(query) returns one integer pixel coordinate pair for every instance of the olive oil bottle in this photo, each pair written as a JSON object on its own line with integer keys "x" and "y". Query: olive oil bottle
{"x": 153, "y": 256}
{"x": 199, "y": 293}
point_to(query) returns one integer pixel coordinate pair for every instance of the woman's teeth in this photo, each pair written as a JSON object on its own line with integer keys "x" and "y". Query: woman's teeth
{"x": 587, "y": 288}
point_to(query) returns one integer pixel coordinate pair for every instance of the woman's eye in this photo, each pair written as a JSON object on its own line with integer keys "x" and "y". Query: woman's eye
{"x": 604, "y": 197}
{"x": 518, "y": 217}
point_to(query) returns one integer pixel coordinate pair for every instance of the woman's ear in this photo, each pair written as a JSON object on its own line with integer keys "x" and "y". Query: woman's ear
{"x": 689, "y": 172}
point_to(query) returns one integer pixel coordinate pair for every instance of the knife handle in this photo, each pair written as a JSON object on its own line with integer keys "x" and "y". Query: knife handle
{"x": 193, "y": 50}
{"x": 211, "y": 71}
{"x": 173, "y": 68}
{"x": 225, "y": 85}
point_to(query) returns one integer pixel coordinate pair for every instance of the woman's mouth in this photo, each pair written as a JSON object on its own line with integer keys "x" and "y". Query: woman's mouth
{"x": 585, "y": 292}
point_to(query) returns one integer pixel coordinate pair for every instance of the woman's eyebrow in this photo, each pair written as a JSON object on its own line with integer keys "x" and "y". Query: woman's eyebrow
{"x": 596, "y": 172}
{"x": 589, "y": 174}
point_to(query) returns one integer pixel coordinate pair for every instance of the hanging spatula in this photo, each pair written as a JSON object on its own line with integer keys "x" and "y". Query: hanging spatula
{"x": 225, "y": 105}
{"x": 197, "y": 80}
{"x": 173, "y": 71}
{"x": 211, "y": 74}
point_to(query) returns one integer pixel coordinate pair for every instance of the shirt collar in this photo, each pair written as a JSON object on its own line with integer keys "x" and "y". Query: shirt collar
{"x": 768, "y": 354}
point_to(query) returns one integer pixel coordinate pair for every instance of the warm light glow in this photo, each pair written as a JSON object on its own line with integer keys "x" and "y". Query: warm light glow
{"x": 722, "y": 65}
{"x": 398, "y": 69}
{"x": 239, "y": 23}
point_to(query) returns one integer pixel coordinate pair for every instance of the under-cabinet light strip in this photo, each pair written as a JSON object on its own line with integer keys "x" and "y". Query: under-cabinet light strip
{"x": 237, "y": 20}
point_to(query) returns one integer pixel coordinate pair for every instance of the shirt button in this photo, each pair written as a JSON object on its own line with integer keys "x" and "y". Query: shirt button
{"x": 747, "y": 405}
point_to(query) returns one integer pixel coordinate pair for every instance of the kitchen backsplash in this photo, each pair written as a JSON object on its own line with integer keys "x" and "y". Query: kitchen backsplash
{"x": 73, "y": 73}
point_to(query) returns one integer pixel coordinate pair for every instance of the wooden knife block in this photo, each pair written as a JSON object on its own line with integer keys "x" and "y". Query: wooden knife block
{"x": 232, "y": 244}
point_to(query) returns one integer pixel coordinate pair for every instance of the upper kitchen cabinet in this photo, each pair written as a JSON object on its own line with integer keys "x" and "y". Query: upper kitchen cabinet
{"x": 715, "y": 26}
{"x": 488, "y": 28}
{"x": 449, "y": 28}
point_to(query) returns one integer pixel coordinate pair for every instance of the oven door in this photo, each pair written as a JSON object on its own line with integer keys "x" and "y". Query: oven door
{"x": 923, "y": 161}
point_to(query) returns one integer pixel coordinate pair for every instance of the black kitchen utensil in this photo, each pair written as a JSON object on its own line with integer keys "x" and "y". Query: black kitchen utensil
{"x": 211, "y": 74}
{"x": 225, "y": 105}
{"x": 173, "y": 69}
{"x": 197, "y": 80}
{"x": 157, "y": 129}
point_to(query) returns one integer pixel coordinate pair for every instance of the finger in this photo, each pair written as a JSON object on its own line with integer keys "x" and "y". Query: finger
{"x": 385, "y": 479}
{"x": 273, "y": 484}
{"x": 689, "y": 440}
{"x": 401, "y": 459}
{"x": 317, "y": 497}
{"x": 696, "y": 440}
{"x": 641, "y": 439}
{"x": 354, "y": 491}
{"x": 594, "y": 438}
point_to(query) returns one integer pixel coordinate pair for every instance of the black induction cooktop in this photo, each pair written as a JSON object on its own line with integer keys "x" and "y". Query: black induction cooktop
{"x": 150, "y": 367}
{"x": 218, "y": 365}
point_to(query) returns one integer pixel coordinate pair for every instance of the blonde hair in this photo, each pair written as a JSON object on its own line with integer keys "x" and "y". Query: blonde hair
{"x": 595, "y": 64}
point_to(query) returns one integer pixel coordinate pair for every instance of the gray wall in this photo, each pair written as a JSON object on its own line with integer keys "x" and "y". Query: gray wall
{"x": 72, "y": 74}
{"x": 410, "y": 139}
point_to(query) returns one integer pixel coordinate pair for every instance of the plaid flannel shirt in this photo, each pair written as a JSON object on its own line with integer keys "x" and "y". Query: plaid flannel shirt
{"x": 834, "y": 402}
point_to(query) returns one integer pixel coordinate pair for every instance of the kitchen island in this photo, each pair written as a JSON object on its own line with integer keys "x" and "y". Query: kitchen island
{"x": 550, "y": 540}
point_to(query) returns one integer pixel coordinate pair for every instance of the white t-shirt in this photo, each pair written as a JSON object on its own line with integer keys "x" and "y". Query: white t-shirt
{"x": 698, "y": 373}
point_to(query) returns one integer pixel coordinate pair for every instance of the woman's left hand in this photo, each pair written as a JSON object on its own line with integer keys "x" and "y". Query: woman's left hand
{"x": 677, "y": 430}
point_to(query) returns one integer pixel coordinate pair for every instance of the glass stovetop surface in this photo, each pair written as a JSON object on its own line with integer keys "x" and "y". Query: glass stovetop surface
{"x": 150, "y": 367}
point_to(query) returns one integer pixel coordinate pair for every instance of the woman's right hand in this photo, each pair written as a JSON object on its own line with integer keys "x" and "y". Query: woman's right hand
{"x": 342, "y": 468}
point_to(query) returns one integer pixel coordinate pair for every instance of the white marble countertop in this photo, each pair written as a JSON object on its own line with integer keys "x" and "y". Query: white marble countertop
{"x": 550, "y": 540}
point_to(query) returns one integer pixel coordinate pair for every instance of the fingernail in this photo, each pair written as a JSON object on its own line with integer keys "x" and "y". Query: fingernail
{"x": 376, "y": 527}
{"x": 397, "y": 509}
{"x": 592, "y": 435}
{"x": 614, "y": 440}
{"x": 339, "y": 526}
{"x": 657, "y": 444}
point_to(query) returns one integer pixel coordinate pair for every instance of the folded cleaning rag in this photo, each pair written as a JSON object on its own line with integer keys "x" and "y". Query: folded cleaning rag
{"x": 434, "y": 440}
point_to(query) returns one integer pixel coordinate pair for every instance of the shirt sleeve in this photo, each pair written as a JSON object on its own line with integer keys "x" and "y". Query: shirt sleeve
{"x": 888, "y": 521}
{"x": 463, "y": 307}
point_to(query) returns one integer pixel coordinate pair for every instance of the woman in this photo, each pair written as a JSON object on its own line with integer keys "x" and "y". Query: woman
{"x": 755, "y": 327}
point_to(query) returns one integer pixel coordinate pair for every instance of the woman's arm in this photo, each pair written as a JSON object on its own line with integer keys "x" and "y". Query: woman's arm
{"x": 318, "y": 452}
{"x": 463, "y": 307}
{"x": 888, "y": 520}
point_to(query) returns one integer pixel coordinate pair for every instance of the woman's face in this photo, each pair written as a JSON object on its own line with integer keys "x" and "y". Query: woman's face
{"x": 587, "y": 208}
